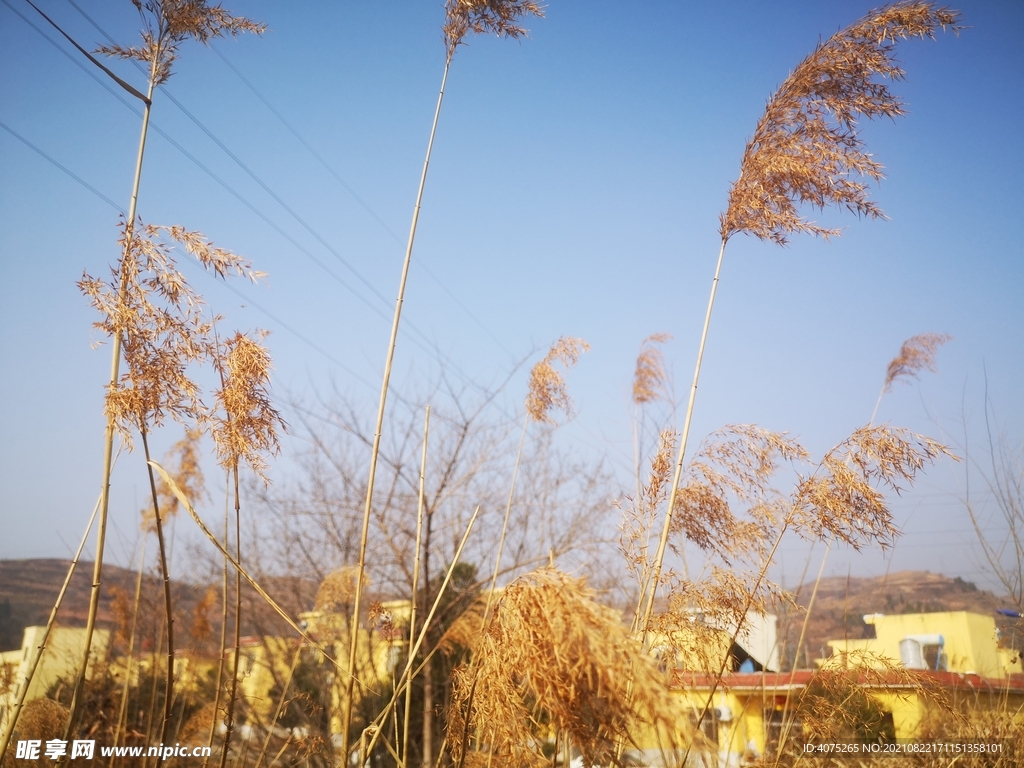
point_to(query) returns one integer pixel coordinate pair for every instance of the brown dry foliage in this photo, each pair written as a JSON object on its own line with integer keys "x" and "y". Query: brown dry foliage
{"x": 337, "y": 590}
{"x": 806, "y": 148}
{"x": 552, "y": 657}
{"x": 159, "y": 317}
{"x": 246, "y": 427}
{"x": 168, "y": 23}
{"x": 841, "y": 497}
{"x": 547, "y": 390}
{"x": 640, "y": 514}
{"x": 121, "y": 608}
{"x": 916, "y": 354}
{"x": 650, "y": 381}
{"x": 183, "y": 464}
{"x": 496, "y": 17}
{"x": 42, "y": 719}
{"x": 734, "y": 465}
{"x": 202, "y": 628}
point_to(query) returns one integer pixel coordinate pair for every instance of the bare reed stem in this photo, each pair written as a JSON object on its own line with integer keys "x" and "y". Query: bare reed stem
{"x": 357, "y": 602}
{"x": 415, "y": 578}
{"x": 108, "y": 448}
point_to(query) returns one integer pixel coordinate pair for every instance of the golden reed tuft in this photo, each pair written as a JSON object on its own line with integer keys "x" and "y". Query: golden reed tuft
{"x": 806, "y": 148}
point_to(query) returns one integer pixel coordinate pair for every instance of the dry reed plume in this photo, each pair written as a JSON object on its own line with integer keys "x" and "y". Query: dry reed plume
{"x": 806, "y": 148}
{"x": 462, "y": 17}
{"x": 556, "y": 661}
{"x": 547, "y": 390}
{"x": 497, "y": 17}
{"x": 916, "y": 354}
{"x": 168, "y": 23}
{"x": 247, "y": 425}
{"x": 650, "y": 380}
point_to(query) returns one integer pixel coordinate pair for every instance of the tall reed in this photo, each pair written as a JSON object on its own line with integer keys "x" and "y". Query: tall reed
{"x": 462, "y": 17}
{"x": 806, "y": 150}
{"x": 245, "y": 429}
{"x": 165, "y": 25}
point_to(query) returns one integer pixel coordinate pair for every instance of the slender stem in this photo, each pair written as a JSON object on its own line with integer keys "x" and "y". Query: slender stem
{"x": 233, "y": 690}
{"x": 415, "y": 578}
{"x": 659, "y": 557}
{"x": 123, "y": 710}
{"x": 168, "y": 606}
{"x": 280, "y": 704}
{"x": 504, "y": 525}
{"x": 223, "y": 628}
{"x": 742, "y": 617}
{"x": 350, "y": 684}
{"x": 407, "y": 673}
{"x": 12, "y": 720}
{"x": 108, "y": 450}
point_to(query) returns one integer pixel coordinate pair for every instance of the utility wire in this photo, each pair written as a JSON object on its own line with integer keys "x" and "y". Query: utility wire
{"x": 383, "y": 313}
{"x": 421, "y": 264}
{"x": 248, "y": 300}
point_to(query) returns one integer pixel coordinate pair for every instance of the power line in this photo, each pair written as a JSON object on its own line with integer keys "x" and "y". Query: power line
{"x": 421, "y": 264}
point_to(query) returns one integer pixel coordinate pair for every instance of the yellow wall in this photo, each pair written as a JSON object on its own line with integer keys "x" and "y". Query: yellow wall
{"x": 969, "y": 642}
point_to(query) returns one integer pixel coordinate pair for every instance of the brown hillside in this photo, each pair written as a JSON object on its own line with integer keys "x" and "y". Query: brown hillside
{"x": 29, "y": 588}
{"x": 841, "y": 604}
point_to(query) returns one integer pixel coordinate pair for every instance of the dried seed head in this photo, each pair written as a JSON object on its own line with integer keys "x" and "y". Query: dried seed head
{"x": 552, "y": 655}
{"x": 497, "y": 17}
{"x": 336, "y": 590}
{"x": 916, "y": 354}
{"x": 547, "y": 387}
{"x": 841, "y": 497}
{"x": 168, "y": 23}
{"x": 650, "y": 380}
{"x": 806, "y": 148}
{"x": 248, "y": 425}
{"x": 639, "y": 516}
{"x": 183, "y": 463}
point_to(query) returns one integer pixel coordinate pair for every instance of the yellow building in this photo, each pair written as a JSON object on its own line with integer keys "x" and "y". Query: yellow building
{"x": 913, "y": 661}
{"x": 61, "y": 656}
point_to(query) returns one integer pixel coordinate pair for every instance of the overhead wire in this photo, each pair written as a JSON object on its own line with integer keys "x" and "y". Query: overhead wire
{"x": 302, "y": 222}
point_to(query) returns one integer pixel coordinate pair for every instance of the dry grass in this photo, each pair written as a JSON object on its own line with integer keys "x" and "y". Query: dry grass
{"x": 554, "y": 660}
{"x": 249, "y": 424}
{"x": 916, "y": 354}
{"x": 547, "y": 391}
{"x": 650, "y": 381}
{"x": 168, "y": 23}
{"x": 806, "y": 148}
{"x": 497, "y": 17}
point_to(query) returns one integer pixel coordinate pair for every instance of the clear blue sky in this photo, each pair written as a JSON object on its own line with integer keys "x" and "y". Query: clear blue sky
{"x": 574, "y": 190}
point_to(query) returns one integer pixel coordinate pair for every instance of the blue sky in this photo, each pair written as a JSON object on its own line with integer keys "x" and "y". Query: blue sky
{"x": 574, "y": 190}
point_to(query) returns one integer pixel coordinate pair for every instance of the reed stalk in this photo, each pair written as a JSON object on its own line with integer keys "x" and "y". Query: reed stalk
{"x": 233, "y": 688}
{"x": 408, "y": 673}
{"x": 280, "y": 704}
{"x": 462, "y": 17}
{"x": 108, "y": 446}
{"x": 19, "y": 702}
{"x": 806, "y": 150}
{"x": 123, "y": 709}
{"x": 415, "y": 578}
{"x": 166, "y": 577}
{"x": 378, "y": 430}
{"x": 223, "y": 628}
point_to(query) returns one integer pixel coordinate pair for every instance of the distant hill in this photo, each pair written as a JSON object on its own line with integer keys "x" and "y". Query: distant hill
{"x": 29, "y": 588}
{"x": 841, "y": 604}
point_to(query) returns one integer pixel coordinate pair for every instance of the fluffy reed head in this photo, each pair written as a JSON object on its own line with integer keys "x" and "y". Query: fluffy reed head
{"x": 159, "y": 318}
{"x": 497, "y": 17}
{"x": 336, "y": 590}
{"x": 806, "y": 148}
{"x": 248, "y": 425}
{"x": 841, "y": 498}
{"x": 916, "y": 354}
{"x": 650, "y": 381}
{"x": 552, "y": 657}
{"x": 639, "y": 516}
{"x": 168, "y": 23}
{"x": 547, "y": 387}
